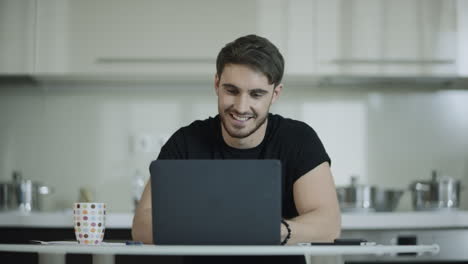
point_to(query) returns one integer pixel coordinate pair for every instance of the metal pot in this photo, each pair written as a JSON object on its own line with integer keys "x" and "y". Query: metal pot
{"x": 7, "y": 196}
{"x": 22, "y": 194}
{"x": 367, "y": 198}
{"x": 440, "y": 193}
{"x": 387, "y": 199}
{"x": 356, "y": 197}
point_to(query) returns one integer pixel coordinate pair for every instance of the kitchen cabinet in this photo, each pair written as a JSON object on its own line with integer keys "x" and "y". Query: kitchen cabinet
{"x": 143, "y": 36}
{"x": 301, "y": 47}
{"x": 181, "y": 38}
{"x": 17, "y": 36}
{"x": 462, "y": 38}
{"x": 451, "y": 241}
{"x": 386, "y": 38}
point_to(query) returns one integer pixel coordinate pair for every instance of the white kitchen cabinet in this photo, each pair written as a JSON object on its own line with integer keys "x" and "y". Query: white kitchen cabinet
{"x": 142, "y": 36}
{"x": 17, "y": 36}
{"x": 183, "y": 37}
{"x": 386, "y": 38}
{"x": 301, "y": 38}
{"x": 272, "y": 22}
{"x": 462, "y": 38}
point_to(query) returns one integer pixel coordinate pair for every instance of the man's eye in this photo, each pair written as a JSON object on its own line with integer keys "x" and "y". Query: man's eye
{"x": 232, "y": 91}
{"x": 256, "y": 95}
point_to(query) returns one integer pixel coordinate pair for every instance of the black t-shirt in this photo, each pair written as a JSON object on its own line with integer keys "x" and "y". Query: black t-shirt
{"x": 292, "y": 142}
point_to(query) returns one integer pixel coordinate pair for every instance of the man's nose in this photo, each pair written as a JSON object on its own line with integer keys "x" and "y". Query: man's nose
{"x": 242, "y": 104}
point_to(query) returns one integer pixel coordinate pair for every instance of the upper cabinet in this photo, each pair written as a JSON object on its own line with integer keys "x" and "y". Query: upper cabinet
{"x": 462, "y": 37}
{"x": 386, "y": 38}
{"x": 183, "y": 37}
{"x": 301, "y": 38}
{"x": 141, "y": 36}
{"x": 17, "y": 37}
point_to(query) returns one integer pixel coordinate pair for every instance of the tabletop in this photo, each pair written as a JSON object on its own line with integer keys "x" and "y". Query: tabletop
{"x": 113, "y": 249}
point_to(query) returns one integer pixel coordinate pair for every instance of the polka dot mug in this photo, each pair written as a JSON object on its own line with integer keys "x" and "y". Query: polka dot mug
{"x": 89, "y": 222}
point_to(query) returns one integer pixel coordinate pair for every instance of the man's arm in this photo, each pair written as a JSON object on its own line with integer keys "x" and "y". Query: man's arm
{"x": 142, "y": 228}
{"x": 317, "y": 204}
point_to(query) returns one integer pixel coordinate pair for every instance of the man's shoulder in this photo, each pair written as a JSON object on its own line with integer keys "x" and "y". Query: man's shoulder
{"x": 193, "y": 140}
{"x": 300, "y": 142}
{"x": 289, "y": 125}
{"x": 291, "y": 132}
{"x": 205, "y": 124}
{"x": 200, "y": 127}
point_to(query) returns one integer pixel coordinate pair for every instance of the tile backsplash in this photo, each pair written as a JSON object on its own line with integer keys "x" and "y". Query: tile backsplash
{"x": 88, "y": 135}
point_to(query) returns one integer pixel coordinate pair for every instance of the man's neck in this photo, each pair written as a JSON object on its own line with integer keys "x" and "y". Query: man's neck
{"x": 245, "y": 143}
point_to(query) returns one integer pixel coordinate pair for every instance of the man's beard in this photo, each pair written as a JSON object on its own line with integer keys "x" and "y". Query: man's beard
{"x": 238, "y": 134}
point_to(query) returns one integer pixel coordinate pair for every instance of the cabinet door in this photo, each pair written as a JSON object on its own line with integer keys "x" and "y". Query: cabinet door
{"x": 290, "y": 25}
{"x": 16, "y": 36}
{"x": 462, "y": 37}
{"x": 398, "y": 37}
{"x": 141, "y": 36}
{"x": 301, "y": 38}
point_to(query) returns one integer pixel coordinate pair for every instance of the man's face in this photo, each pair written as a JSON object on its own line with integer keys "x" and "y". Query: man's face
{"x": 244, "y": 99}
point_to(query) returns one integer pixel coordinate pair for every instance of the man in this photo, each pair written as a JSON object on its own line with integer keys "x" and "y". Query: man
{"x": 247, "y": 83}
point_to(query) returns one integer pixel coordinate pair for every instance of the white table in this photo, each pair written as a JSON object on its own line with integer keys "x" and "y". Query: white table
{"x": 105, "y": 253}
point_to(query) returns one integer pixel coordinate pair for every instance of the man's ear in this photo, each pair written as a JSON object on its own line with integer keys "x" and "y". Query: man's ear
{"x": 276, "y": 93}
{"x": 216, "y": 84}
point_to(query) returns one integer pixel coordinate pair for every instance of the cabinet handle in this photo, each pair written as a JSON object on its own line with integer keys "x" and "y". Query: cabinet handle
{"x": 392, "y": 61}
{"x": 153, "y": 60}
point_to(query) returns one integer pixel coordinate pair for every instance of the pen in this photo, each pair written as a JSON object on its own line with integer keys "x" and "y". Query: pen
{"x": 133, "y": 243}
{"x": 342, "y": 242}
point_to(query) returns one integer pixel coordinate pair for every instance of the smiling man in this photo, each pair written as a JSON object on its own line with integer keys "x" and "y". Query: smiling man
{"x": 248, "y": 78}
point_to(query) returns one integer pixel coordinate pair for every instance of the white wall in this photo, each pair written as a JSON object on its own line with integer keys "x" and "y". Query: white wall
{"x": 74, "y": 135}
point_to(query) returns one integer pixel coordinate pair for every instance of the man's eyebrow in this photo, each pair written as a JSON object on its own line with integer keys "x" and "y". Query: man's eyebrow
{"x": 259, "y": 90}
{"x": 229, "y": 85}
{"x": 256, "y": 90}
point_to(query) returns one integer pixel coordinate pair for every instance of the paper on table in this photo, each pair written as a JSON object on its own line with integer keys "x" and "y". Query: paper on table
{"x": 54, "y": 242}
{"x": 73, "y": 243}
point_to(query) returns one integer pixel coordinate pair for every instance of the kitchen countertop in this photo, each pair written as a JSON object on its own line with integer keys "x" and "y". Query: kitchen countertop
{"x": 405, "y": 220}
{"x": 60, "y": 219}
{"x": 350, "y": 221}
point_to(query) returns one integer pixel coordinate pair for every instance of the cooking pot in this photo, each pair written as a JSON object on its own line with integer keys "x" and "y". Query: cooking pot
{"x": 367, "y": 198}
{"x": 7, "y": 197}
{"x": 22, "y": 194}
{"x": 386, "y": 200}
{"x": 439, "y": 193}
{"x": 356, "y": 197}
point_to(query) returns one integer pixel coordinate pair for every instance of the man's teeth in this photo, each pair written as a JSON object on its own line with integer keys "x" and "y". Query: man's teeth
{"x": 241, "y": 118}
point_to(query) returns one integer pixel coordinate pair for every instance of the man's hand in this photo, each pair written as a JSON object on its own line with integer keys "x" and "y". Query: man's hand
{"x": 284, "y": 231}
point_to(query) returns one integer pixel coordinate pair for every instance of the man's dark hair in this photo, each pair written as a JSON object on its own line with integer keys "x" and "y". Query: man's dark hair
{"x": 255, "y": 52}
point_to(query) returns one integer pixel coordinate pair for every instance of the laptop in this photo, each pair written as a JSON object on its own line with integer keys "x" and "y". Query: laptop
{"x": 216, "y": 202}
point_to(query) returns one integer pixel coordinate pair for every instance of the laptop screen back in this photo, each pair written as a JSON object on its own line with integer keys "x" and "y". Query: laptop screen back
{"x": 216, "y": 202}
